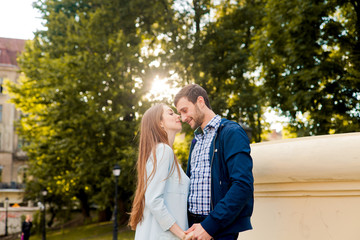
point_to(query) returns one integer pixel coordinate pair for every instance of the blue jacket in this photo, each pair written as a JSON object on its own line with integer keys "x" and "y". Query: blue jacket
{"x": 232, "y": 182}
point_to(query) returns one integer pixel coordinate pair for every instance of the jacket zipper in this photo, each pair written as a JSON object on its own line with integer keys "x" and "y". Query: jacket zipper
{"x": 212, "y": 160}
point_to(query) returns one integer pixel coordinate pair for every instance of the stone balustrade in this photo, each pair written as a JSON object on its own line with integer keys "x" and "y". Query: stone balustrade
{"x": 307, "y": 188}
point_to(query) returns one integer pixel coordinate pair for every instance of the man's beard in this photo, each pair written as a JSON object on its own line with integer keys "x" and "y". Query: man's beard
{"x": 198, "y": 118}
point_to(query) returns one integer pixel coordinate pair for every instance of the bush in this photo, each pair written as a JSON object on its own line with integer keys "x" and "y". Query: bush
{"x": 36, "y": 221}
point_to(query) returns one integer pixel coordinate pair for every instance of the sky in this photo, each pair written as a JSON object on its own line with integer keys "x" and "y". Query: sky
{"x": 19, "y": 19}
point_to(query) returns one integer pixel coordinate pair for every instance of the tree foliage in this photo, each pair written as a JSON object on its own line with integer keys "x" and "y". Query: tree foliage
{"x": 308, "y": 51}
{"x": 86, "y": 76}
{"x": 226, "y": 64}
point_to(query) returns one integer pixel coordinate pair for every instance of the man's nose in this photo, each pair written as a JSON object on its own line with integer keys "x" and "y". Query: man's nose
{"x": 182, "y": 118}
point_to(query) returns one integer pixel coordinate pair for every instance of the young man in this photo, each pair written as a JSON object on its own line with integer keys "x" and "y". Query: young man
{"x": 220, "y": 201}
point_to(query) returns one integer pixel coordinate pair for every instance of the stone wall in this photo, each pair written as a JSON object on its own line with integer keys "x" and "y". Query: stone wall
{"x": 14, "y": 218}
{"x": 307, "y": 188}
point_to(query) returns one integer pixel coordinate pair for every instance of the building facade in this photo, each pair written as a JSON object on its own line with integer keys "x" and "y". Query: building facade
{"x": 12, "y": 159}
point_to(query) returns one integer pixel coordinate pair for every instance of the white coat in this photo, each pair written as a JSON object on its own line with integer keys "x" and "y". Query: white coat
{"x": 165, "y": 198}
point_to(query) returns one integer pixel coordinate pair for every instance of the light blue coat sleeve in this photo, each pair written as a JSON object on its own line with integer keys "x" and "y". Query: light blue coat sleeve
{"x": 154, "y": 195}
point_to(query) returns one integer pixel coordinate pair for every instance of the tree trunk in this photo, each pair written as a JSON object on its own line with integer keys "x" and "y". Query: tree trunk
{"x": 84, "y": 203}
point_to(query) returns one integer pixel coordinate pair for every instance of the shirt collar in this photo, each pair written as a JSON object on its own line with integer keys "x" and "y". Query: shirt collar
{"x": 213, "y": 124}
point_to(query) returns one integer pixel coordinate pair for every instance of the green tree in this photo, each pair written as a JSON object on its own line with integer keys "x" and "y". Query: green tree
{"x": 226, "y": 64}
{"x": 84, "y": 80}
{"x": 309, "y": 55}
{"x": 191, "y": 53}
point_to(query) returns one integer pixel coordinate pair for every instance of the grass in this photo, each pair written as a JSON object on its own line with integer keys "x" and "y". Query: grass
{"x": 96, "y": 231}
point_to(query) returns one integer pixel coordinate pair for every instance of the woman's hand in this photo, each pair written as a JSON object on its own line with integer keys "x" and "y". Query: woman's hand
{"x": 188, "y": 236}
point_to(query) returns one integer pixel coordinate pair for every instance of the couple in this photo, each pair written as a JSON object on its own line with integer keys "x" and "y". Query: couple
{"x": 215, "y": 196}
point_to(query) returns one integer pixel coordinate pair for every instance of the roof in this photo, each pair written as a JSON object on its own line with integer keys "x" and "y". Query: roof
{"x": 9, "y": 49}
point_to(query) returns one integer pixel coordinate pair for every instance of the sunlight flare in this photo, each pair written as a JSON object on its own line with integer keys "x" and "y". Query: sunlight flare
{"x": 162, "y": 90}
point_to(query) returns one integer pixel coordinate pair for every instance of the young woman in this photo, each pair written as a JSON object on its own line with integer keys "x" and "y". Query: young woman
{"x": 159, "y": 210}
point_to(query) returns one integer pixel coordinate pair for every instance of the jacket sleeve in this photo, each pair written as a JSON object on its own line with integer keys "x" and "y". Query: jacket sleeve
{"x": 154, "y": 195}
{"x": 235, "y": 148}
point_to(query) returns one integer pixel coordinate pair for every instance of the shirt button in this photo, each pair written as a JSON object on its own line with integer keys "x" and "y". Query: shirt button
{"x": 215, "y": 150}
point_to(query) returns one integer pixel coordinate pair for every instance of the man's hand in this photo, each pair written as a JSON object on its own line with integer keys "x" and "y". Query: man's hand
{"x": 199, "y": 232}
{"x": 189, "y": 236}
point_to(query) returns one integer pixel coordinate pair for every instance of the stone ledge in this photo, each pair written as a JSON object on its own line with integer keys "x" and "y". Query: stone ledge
{"x": 309, "y": 189}
{"x": 329, "y": 158}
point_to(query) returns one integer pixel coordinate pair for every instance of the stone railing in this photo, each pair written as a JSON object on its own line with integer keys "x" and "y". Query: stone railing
{"x": 14, "y": 218}
{"x": 307, "y": 188}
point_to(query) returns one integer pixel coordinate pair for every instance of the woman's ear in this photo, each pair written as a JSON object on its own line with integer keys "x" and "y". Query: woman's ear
{"x": 162, "y": 125}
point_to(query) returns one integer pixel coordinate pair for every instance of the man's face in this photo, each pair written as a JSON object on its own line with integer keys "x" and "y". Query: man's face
{"x": 190, "y": 113}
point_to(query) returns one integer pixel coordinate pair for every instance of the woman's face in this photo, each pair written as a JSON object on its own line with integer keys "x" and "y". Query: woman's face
{"x": 170, "y": 120}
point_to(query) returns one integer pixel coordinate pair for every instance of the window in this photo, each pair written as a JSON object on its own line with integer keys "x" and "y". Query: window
{"x": 22, "y": 174}
{"x": 21, "y": 143}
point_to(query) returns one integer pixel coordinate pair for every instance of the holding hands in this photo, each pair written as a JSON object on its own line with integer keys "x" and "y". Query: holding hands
{"x": 198, "y": 232}
{"x": 188, "y": 236}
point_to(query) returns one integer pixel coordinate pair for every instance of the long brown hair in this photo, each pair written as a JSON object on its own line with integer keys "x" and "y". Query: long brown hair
{"x": 151, "y": 134}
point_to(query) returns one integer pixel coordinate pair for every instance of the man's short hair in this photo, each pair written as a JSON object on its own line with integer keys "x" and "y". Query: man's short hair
{"x": 191, "y": 92}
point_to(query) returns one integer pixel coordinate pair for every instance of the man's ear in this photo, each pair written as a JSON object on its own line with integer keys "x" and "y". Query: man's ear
{"x": 200, "y": 101}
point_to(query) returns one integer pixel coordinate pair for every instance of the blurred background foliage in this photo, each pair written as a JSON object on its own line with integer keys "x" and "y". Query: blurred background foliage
{"x": 89, "y": 77}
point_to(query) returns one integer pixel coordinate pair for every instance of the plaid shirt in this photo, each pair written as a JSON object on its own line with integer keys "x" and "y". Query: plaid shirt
{"x": 200, "y": 180}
